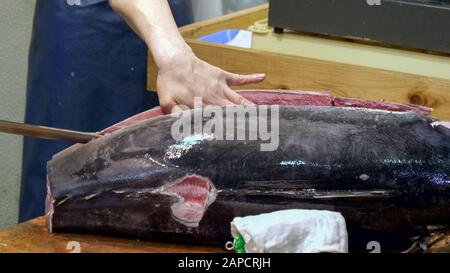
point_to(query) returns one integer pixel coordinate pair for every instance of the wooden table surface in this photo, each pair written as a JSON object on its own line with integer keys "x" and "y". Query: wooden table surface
{"x": 33, "y": 236}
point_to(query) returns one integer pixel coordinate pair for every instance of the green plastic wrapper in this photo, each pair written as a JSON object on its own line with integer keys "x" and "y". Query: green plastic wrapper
{"x": 239, "y": 244}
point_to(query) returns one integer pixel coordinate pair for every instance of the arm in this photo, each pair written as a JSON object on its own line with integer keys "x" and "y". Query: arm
{"x": 181, "y": 75}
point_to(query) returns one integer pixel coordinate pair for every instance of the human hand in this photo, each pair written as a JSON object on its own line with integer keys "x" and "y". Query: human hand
{"x": 184, "y": 77}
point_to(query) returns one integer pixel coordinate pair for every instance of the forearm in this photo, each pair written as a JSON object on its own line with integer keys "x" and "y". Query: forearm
{"x": 181, "y": 75}
{"x": 152, "y": 20}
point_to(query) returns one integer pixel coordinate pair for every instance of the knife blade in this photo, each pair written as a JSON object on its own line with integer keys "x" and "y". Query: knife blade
{"x": 46, "y": 132}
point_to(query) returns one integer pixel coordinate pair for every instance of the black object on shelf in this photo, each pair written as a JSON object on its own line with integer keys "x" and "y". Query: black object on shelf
{"x": 414, "y": 24}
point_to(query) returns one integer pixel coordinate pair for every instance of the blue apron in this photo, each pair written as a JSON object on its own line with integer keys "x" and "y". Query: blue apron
{"x": 87, "y": 71}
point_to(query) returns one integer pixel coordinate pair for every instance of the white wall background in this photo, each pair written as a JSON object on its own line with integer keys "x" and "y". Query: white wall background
{"x": 205, "y": 9}
{"x": 15, "y": 32}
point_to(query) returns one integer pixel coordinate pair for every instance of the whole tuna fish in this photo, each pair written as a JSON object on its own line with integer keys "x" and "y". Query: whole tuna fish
{"x": 382, "y": 170}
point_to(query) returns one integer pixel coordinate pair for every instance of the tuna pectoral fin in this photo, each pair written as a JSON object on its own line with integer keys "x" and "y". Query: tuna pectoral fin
{"x": 355, "y": 195}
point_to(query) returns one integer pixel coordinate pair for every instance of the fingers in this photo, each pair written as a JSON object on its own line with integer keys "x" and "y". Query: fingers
{"x": 230, "y": 98}
{"x": 237, "y": 79}
{"x": 219, "y": 94}
{"x": 224, "y": 102}
{"x": 235, "y": 98}
{"x": 167, "y": 105}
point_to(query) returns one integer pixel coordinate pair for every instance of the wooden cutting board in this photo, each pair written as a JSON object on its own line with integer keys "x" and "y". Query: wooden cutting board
{"x": 33, "y": 236}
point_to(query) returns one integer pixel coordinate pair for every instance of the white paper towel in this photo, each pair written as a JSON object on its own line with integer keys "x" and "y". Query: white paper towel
{"x": 293, "y": 231}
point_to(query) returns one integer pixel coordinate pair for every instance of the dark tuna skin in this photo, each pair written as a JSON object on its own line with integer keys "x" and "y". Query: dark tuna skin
{"x": 382, "y": 170}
